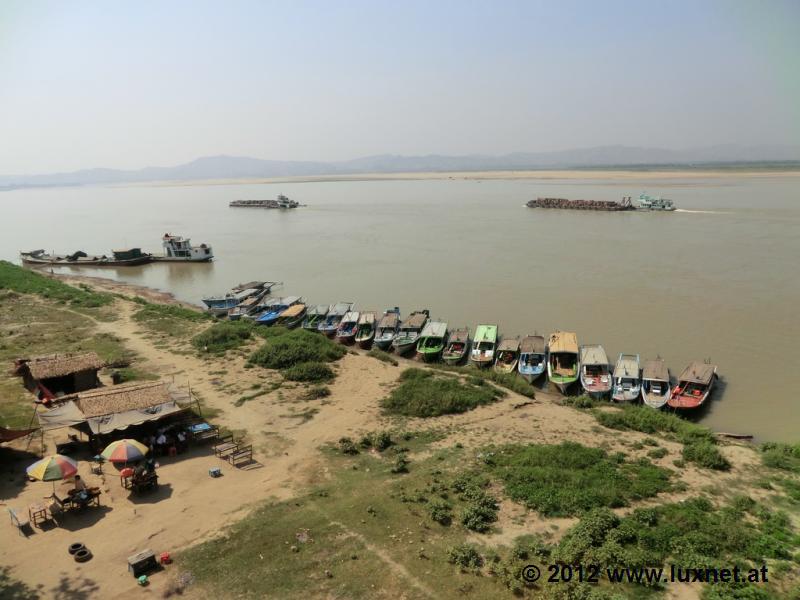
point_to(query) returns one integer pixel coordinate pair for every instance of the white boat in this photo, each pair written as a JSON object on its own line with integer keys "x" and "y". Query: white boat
{"x": 655, "y": 383}
{"x": 595, "y": 372}
{"x": 532, "y": 358}
{"x": 627, "y": 382}
{"x": 387, "y": 329}
{"x": 180, "y": 249}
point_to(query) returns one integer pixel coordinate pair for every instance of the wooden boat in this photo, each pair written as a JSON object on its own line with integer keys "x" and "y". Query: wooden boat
{"x": 484, "y": 345}
{"x": 532, "y": 359}
{"x": 365, "y": 332}
{"x": 627, "y": 379}
{"x": 596, "y": 377}
{"x": 387, "y": 328}
{"x": 314, "y": 316}
{"x": 220, "y": 305}
{"x": 694, "y": 386}
{"x": 346, "y": 332}
{"x": 507, "y": 356}
{"x": 563, "y": 362}
{"x": 432, "y": 340}
{"x": 457, "y": 347}
{"x": 331, "y": 322}
{"x": 129, "y": 257}
{"x": 655, "y": 383}
{"x": 292, "y": 316}
{"x": 180, "y": 249}
{"x": 246, "y": 306}
{"x": 273, "y": 313}
{"x": 409, "y": 332}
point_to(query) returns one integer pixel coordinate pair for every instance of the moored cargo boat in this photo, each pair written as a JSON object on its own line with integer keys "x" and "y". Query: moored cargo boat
{"x": 432, "y": 340}
{"x": 406, "y": 339}
{"x": 694, "y": 386}
{"x": 484, "y": 345}
{"x": 563, "y": 362}
{"x": 387, "y": 328}
{"x": 655, "y": 383}
{"x": 180, "y": 249}
{"x": 532, "y": 358}
{"x": 596, "y": 377}
{"x": 292, "y": 316}
{"x": 627, "y": 379}
{"x": 130, "y": 257}
{"x": 457, "y": 347}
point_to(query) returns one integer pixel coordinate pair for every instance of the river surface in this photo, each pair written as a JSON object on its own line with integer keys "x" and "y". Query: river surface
{"x": 717, "y": 279}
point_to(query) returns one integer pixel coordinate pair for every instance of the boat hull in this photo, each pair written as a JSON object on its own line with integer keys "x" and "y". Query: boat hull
{"x": 365, "y": 343}
{"x": 405, "y": 347}
{"x": 453, "y": 359}
{"x": 383, "y": 344}
{"x": 506, "y": 368}
{"x": 133, "y": 262}
{"x": 432, "y": 356}
{"x": 625, "y": 396}
{"x": 531, "y": 376}
{"x": 654, "y": 400}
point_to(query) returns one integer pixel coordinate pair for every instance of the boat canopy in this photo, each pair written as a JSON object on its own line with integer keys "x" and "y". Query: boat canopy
{"x": 485, "y": 333}
{"x": 367, "y": 318}
{"x": 627, "y": 366}
{"x": 563, "y": 341}
{"x": 319, "y": 309}
{"x": 459, "y": 336}
{"x": 350, "y": 316}
{"x": 698, "y": 372}
{"x": 655, "y": 369}
{"x": 294, "y": 311}
{"x": 289, "y": 300}
{"x": 509, "y": 345}
{"x": 593, "y": 354}
{"x": 435, "y": 329}
{"x": 415, "y": 320}
{"x": 532, "y": 344}
{"x": 390, "y": 320}
{"x": 340, "y": 309}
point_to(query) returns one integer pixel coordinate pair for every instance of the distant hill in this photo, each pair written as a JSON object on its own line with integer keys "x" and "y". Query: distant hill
{"x": 233, "y": 167}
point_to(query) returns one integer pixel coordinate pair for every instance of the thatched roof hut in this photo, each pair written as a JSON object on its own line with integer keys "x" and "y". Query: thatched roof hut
{"x": 56, "y": 374}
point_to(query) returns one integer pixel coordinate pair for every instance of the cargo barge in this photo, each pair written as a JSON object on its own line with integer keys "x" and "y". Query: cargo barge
{"x": 281, "y": 202}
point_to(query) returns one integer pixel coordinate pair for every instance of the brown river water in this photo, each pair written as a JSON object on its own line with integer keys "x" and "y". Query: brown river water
{"x": 712, "y": 280}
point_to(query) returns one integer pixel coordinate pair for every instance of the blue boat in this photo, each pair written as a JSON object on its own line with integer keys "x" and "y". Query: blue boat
{"x": 220, "y": 305}
{"x": 334, "y": 318}
{"x": 269, "y": 316}
{"x": 532, "y": 361}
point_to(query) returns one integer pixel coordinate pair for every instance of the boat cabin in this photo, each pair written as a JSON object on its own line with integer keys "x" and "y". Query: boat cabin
{"x": 178, "y": 247}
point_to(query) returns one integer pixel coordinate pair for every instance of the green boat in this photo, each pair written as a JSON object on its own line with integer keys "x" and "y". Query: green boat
{"x": 483, "y": 346}
{"x": 432, "y": 341}
{"x": 563, "y": 363}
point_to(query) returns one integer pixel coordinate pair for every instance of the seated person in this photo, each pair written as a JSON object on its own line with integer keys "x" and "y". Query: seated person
{"x": 80, "y": 493}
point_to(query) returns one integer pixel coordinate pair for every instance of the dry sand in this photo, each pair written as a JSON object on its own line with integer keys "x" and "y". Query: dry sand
{"x": 190, "y": 506}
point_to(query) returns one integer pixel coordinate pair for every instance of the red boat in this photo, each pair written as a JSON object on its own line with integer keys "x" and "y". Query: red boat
{"x": 694, "y": 386}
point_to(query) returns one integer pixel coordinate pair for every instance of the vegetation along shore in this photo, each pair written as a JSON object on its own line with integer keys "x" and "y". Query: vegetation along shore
{"x": 374, "y": 476}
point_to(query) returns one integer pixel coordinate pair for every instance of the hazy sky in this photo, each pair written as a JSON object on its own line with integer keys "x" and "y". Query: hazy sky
{"x": 133, "y": 84}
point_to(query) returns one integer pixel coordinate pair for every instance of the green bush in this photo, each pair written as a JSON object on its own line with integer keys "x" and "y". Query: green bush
{"x": 440, "y": 511}
{"x": 657, "y": 453}
{"x": 154, "y": 312}
{"x": 223, "y": 336}
{"x": 705, "y": 454}
{"x": 380, "y": 440}
{"x": 400, "y": 464}
{"x": 318, "y": 391}
{"x": 423, "y": 393}
{"x": 567, "y": 479}
{"x": 309, "y": 371}
{"x": 781, "y": 456}
{"x": 465, "y": 556}
{"x": 347, "y": 446}
{"x": 297, "y": 346}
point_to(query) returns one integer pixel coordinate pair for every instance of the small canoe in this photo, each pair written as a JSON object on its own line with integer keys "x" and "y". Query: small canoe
{"x": 627, "y": 379}
{"x": 346, "y": 332}
{"x": 331, "y": 322}
{"x": 532, "y": 360}
{"x": 406, "y": 339}
{"x": 432, "y": 340}
{"x": 596, "y": 377}
{"x": 365, "y": 332}
{"x": 387, "y": 328}
{"x": 655, "y": 383}
{"x": 292, "y": 316}
{"x": 314, "y": 316}
{"x": 457, "y": 347}
{"x": 507, "y": 356}
{"x": 563, "y": 361}
{"x": 694, "y": 386}
{"x": 484, "y": 345}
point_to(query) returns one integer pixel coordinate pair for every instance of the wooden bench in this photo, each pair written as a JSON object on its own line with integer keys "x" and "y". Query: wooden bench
{"x": 144, "y": 482}
{"x": 212, "y": 433}
{"x": 240, "y": 453}
{"x": 20, "y": 521}
{"x": 225, "y": 446}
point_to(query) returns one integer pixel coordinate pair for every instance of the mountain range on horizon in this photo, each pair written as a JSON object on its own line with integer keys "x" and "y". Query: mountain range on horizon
{"x": 239, "y": 167}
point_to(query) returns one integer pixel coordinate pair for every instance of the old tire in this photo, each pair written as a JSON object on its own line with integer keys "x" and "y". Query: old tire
{"x": 82, "y": 555}
{"x": 73, "y": 548}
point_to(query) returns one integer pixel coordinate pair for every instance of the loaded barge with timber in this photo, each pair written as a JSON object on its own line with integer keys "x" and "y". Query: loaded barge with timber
{"x": 281, "y": 202}
{"x": 647, "y": 203}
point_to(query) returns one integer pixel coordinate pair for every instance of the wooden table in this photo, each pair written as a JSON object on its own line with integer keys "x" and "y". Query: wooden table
{"x": 37, "y": 513}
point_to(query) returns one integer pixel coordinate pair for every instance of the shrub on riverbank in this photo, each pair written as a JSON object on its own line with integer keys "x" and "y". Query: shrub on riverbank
{"x": 25, "y": 281}
{"x": 223, "y": 336}
{"x": 289, "y": 348}
{"x": 781, "y": 456}
{"x": 423, "y": 393}
{"x": 510, "y": 381}
{"x": 314, "y": 372}
{"x": 568, "y": 478}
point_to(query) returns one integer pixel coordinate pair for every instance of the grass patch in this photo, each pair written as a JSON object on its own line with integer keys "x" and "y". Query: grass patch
{"x": 285, "y": 349}
{"x": 127, "y": 374}
{"x": 169, "y": 319}
{"x": 567, "y": 479}
{"x": 315, "y": 372}
{"x": 423, "y": 393}
{"x": 25, "y": 281}
{"x": 706, "y": 455}
{"x": 510, "y": 381}
{"x": 383, "y": 356}
{"x": 781, "y": 456}
{"x": 224, "y": 336}
{"x": 317, "y": 392}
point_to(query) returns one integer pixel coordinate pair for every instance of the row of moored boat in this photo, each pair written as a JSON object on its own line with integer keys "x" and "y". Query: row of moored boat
{"x": 564, "y": 363}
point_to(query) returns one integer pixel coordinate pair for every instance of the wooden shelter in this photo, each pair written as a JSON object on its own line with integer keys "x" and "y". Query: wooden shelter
{"x": 59, "y": 374}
